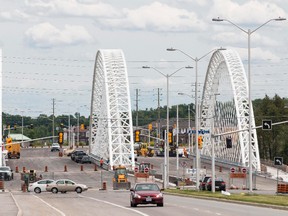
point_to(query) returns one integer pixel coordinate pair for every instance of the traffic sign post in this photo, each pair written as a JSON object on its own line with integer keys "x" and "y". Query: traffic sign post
{"x": 278, "y": 161}
{"x": 146, "y": 170}
{"x": 266, "y": 124}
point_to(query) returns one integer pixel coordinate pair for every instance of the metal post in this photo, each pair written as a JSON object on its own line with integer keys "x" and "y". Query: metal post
{"x": 177, "y": 144}
{"x": 167, "y": 135}
{"x": 197, "y": 126}
{"x": 78, "y": 131}
{"x": 22, "y": 129}
{"x": 53, "y": 122}
{"x": 189, "y": 128}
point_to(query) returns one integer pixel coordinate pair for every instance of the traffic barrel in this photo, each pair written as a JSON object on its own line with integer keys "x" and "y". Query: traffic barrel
{"x": 220, "y": 169}
{"x": 24, "y": 188}
{"x": 16, "y": 169}
{"x": 104, "y": 186}
{"x": 81, "y": 168}
{"x": 2, "y": 185}
{"x": 46, "y": 169}
{"x": 65, "y": 168}
{"x": 95, "y": 167}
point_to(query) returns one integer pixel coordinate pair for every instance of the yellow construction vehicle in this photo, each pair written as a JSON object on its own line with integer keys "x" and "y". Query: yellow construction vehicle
{"x": 13, "y": 149}
{"x": 120, "y": 179}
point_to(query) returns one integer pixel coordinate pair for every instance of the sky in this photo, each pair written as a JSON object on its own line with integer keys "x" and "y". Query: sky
{"x": 49, "y": 48}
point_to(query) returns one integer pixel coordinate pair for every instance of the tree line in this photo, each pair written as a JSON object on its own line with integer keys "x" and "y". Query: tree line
{"x": 271, "y": 143}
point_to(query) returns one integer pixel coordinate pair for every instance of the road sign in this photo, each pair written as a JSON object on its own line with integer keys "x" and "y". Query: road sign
{"x": 136, "y": 170}
{"x": 183, "y": 164}
{"x": 146, "y": 170}
{"x": 266, "y": 124}
{"x": 278, "y": 161}
{"x": 244, "y": 170}
{"x": 232, "y": 169}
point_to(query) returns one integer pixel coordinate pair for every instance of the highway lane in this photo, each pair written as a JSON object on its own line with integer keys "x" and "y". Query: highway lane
{"x": 98, "y": 202}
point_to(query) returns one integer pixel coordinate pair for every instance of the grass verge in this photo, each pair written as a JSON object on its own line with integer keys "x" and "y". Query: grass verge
{"x": 276, "y": 200}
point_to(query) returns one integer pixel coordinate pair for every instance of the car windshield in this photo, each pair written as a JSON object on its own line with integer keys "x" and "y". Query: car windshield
{"x": 147, "y": 187}
{"x": 4, "y": 168}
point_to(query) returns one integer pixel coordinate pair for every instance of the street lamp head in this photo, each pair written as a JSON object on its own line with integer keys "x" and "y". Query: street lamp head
{"x": 188, "y": 67}
{"x": 217, "y": 19}
{"x": 145, "y": 67}
{"x": 171, "y": 49}
{"x": 181, "y": 93}
{"x": 280, "y": 19}
{"x": 222, "y": 48}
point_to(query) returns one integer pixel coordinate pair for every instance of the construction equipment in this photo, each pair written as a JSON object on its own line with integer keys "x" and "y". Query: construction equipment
{"x": 120, "y": 179}
{"x": 142, "y": 149}
{"x": 12, "y": 148}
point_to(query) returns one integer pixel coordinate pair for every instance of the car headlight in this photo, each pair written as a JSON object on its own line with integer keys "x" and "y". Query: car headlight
{"x": 137, "y": 196}
{"x": 159, "y": 195}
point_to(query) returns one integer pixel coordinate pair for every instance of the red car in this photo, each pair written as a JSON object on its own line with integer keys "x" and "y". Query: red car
{"x": 146, "y": 193}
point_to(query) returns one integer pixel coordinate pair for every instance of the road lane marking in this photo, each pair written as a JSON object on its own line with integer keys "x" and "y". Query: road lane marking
{"x": 20, "y": 213}
{"x": 119, "y": 206}
{"x": 62, "y": 213}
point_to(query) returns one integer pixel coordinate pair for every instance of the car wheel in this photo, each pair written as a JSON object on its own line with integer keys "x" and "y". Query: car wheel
{"x": 37, "y": 190}
{"x": 78, "y": 190}
{"x": 160, "y": 204}
{"x": 54, "y": 190}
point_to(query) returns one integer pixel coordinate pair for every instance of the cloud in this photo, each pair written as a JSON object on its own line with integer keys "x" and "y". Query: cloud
{"x": 15, "y": 15}
{"x": 71, "y": 8}
{"x": 45, "y": 35}
{"x": 250, "y": 12}
{"x": 156, "y": 17}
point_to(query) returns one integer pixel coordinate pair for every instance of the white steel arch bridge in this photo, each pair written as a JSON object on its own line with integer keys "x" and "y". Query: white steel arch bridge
{"x": 111, "y": 135}
{"x": 226, "y": 74}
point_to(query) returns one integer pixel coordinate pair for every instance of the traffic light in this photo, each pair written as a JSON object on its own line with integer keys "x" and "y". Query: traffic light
{"x": 137, "y": 135}
{"x": 82, "y": 127}
{"x": 228, "y": 142}
{"x": 170, "y": 138}
{"x": 61, "y": 125}
{"x": 60, "y": 138}
{"x": 150, "y": 127}
{"x": 200, "y": 142}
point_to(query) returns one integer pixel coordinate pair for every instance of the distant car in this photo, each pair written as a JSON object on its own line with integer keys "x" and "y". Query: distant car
{"x": 6, "y": 173}
{"x": 85, "y": 159}
{"x": 146, "y": 193}
{"x": 39, "y": 186}
{"x": 55, "y": 147}
{"x": 220, "y": 184}
{"x": 76, "y": 153}
{"x": 65, "y": 185}
{"x": 203, "y": 181}
{"x": 77, "y": 156}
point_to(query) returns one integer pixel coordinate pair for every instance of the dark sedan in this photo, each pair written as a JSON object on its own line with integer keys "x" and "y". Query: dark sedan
{"x": 220, "y": 184}
{"x": 146, "y": 193}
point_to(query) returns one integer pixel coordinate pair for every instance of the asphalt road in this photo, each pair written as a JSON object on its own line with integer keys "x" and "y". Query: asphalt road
{"x": 96, "y": 201}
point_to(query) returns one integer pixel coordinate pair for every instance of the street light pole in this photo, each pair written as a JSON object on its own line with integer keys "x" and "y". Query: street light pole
{"x": 166, "y": 152}
{"x": 197, "y": 110}
{"x": 249, "y": 32}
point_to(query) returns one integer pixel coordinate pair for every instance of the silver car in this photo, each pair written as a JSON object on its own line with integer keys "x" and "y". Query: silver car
{"x": 39, "y": 186}
{"x": 64, "y": 185}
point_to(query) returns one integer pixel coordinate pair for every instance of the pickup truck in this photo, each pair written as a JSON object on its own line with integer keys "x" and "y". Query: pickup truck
{"x": 6, "y": 173}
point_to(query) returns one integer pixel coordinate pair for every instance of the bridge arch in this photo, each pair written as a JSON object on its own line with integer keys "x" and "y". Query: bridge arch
{"x": 228, "y": 115}
{"x": 111, "y": 132}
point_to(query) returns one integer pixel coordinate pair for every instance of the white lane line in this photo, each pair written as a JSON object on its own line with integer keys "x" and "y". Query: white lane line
{"x": 109, "y": 203}
{"x": 20, "y": 213}
{"x": 62, "y": 213}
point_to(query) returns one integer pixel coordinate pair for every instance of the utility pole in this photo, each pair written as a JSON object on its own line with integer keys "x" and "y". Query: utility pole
{"x": 137, "y": 94}
{"x": 159, "y": 122}
{"x": 53, "y": 119}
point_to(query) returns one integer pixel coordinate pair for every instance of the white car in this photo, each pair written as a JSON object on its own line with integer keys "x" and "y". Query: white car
{"x": 40, "y": 185}
{"x": 55, "y": 147}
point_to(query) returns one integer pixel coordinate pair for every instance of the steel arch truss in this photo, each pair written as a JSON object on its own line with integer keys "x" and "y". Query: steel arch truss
{"x": 111, "y": 135}
{"x": 226, "y": 116}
